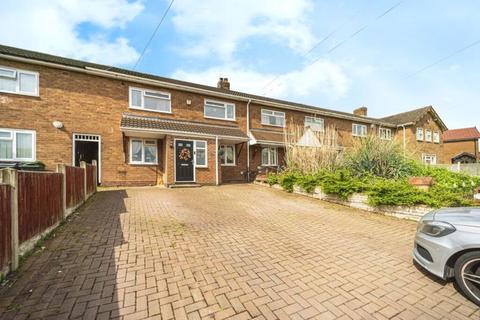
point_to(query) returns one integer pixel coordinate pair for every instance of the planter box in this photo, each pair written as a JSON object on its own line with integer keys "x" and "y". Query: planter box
{"x": 422, "y": 183}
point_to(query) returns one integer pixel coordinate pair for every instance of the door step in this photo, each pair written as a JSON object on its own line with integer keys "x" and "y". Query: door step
{"x": 185, "y": 185}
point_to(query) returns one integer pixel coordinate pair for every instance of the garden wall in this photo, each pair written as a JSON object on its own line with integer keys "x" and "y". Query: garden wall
{"x": 33, "y": 203}
{"x": 360, "y": 201}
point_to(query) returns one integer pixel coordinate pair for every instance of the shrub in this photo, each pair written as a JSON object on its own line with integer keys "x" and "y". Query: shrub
{"x": 272, "y": 178}
{"x": 341, "y": 183}
{"x": 372, "y": 156}
{"x": 288, "y": 179}
{"x": 394, "y": 193}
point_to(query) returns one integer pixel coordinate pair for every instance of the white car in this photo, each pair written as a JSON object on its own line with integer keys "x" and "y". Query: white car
{"x": 447, "y": 244}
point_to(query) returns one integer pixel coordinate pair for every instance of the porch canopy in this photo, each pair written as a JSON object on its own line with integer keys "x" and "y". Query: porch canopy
{"x": 267, "y": 137}
{"x": 154, "y": 127}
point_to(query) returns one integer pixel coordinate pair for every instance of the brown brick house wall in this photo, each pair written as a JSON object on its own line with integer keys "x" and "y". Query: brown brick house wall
{"x": 417, "y": 148}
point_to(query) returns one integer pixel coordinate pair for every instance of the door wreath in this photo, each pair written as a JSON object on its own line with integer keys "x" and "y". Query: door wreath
{"x": 185, "y": 154}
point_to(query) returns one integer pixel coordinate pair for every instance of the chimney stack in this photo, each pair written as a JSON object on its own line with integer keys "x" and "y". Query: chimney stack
{"x": 223, "y": 84}
{"x": 362, "y": 111}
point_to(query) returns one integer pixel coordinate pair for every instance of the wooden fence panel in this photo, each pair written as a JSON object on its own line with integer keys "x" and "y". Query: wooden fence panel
{"x": 5, "y": 226}
{"x": 75, "y": 186}
{"x": 91, "y": 171}
{"x": 40, "y": 202}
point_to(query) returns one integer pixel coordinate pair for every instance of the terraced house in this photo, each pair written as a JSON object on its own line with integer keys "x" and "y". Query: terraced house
{"x": 145, "y": 129}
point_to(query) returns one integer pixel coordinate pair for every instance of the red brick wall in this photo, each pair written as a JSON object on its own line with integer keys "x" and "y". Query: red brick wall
{"x": 454, "y": 148}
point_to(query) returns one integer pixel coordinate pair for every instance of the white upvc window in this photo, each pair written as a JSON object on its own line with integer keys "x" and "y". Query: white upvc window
{"x": 436, "y": 137}
{"x": 429, "y": 159}
{"x": 385, "y": 133}
{"x": 19, "y": 81}
{"x": 273, "y": 118}
{"x": 316, "y": 124}
{"x": 143, "y": 151}
{"x": 219, "y": 110}
{"x": 269, "y": 156}
{"x": 150, "y": 100}
{"x": 17, "y": 145}
{"x": 359, "y": 130}
{"x": 201, "y": 160}
{"x": 428, "y": 135}
{"x": 227, "y": 155}
{"x": 419, "y": 134}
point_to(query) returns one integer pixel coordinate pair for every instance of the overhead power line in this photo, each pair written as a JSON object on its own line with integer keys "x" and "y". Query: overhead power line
{"x": 153, "y": 35}
{"x": 445, "y": 58}
{"x": 341, "y": 43}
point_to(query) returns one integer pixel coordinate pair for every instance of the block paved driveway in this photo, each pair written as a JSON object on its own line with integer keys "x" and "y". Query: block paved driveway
{"x": 236, "y": 251}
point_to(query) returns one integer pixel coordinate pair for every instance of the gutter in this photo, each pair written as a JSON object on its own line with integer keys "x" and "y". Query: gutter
{"x": 136, "y": 79}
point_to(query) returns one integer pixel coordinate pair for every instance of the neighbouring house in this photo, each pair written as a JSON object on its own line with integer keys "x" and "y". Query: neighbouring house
{"x": 144, "y": 129}
{"x": 462, "y": 145}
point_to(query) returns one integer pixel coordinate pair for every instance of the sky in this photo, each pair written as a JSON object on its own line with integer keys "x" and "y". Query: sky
{"x": 331, "y": 54}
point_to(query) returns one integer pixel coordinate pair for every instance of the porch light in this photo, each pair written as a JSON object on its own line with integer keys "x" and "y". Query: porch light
{"x": 58, "y": 124}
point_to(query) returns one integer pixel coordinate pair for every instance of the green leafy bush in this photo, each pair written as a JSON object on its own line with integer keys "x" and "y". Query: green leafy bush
{"x": 341, "y": 182}
{"x": 272, "y": 178}
{"x": 288, "y": 179}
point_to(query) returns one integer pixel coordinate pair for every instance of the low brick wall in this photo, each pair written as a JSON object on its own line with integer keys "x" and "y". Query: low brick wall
{"x": 360, "y": 201}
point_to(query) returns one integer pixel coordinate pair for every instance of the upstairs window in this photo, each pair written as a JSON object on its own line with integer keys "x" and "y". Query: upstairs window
{"x": 273, "y": 118}
{"x": 428, "y": 135}
{"x": 359, "y": 130}
{"x": 385, "y": 133}
{"x": 18, "y": 81}
{"x": 17, "y": 145}
{"x": 316, "y": 124}
{"x": 436, "y": 137}
{"x": 143, "y": 151}
{"x": 219, "y": 110}
{"x": 419, "y": 134}
{"x": 150, "y": 100}
{"x": 269, "y": 156}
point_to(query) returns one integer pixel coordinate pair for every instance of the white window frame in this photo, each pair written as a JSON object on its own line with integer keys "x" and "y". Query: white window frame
{"x": 225, "y": 104}
{"x": 270, "y": 151}
{"x": 317, "y": 122}
{"x": 385, "y": 133}
{"x": 419, "y": 134}
{"x": 428, "y": 135}
{"x": 195, "y": 147}
{"x": 143, "y": 151}
{"x": 436, "y": 137}
{"x": 222, "y": 161}
{"x": 16, "y": 75}
{"x": 273, "y": 113}
{"x": 432, "y": 157}
{"x": 13, "y": 138}
{"x": 144, "y": 92}
{"x": 358, "y": 125}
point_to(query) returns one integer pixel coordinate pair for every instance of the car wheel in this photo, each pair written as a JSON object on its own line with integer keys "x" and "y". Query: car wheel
{"x": 467, "y": 275}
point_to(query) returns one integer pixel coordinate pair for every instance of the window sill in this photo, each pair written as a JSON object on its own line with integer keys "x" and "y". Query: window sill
{"x": 143, "y": 164}
{"x": 35, "y": 95}
{"x": 222, "y": 119}
{"x": 272, "y": 125}
{"x": 201, "y": 167}
{"x": 149, "y": 110}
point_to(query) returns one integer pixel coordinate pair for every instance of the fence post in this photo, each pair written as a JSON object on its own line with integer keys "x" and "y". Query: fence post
{"x": 458, "y": 167}
{"x": 83, "y": 165}
{"x": 61, "y": 169}
{"x": 95, "y": 177}
{"x": 10, "y": 176}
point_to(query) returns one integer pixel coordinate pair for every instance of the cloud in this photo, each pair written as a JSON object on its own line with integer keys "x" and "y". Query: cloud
{"x": 218, "y": 27}
{"x": 52, "y": 26}
{"x": 324, "y": 78}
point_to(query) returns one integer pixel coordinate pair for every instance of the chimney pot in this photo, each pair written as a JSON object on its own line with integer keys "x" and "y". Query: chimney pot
{"x": 362, "y": 111}
{"x": 223, "y": 83}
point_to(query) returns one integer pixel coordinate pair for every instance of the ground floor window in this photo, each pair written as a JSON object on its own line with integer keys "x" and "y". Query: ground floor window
{"x": 201, "y": 154}
{"x": 227, "y": 155}
{"x": 143, "y": 151}
{"x": 269, "y": 156}
{"x": 429, "y": 159}
{"x": 17, "y": 145}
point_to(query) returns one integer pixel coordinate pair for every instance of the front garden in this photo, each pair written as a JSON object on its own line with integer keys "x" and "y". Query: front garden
{"x": 375, "y": 167}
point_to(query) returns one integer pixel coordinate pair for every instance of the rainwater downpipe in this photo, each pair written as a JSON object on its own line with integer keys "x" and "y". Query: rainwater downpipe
{"x": 248, "y": 141}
